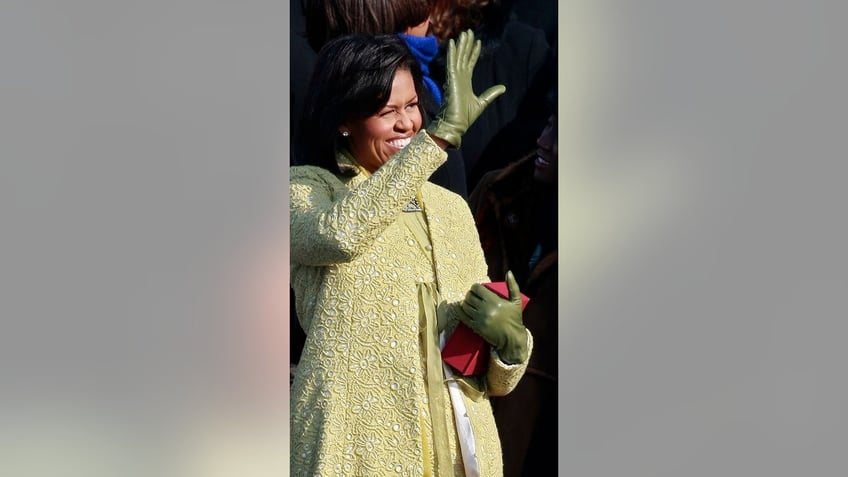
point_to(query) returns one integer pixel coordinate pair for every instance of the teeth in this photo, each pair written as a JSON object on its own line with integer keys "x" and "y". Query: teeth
{"x": 400, "y": 143}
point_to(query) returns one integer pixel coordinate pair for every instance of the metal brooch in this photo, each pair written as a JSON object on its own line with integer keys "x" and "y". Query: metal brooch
{"x": 413, "y": 206}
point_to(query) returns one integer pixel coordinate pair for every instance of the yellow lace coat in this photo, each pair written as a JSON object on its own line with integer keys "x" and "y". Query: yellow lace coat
{"x": 359, "y": 401}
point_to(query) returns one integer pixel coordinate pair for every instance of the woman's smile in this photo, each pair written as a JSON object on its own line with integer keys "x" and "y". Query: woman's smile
{"x": 400, "y": 143}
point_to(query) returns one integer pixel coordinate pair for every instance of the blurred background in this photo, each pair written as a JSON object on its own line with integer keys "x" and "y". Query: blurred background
{"x": 143, "y": 155}
{"x": 144, "y": 248}
{"x": 702, "y": 218}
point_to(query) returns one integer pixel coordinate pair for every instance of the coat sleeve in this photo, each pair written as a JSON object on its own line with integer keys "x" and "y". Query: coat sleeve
{"x": 333, "y": 223}
{"x": 502, "y": 377}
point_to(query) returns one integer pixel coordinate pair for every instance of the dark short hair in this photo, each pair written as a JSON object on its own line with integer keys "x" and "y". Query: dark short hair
{"x": 352, "y": 79}
{"x": 328, "y": 19}
{"x": 450, "y": 17}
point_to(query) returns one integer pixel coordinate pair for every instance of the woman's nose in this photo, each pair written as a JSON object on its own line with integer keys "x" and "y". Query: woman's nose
{"x": 404, "y": 121}
{"x": 546, "y": 139}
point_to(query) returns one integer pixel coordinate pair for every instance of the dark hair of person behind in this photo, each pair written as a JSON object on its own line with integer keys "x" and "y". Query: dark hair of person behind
{"x": 328, "y": 19}
{"x": 451, "y": 17}
{"x": 352, "y": 79}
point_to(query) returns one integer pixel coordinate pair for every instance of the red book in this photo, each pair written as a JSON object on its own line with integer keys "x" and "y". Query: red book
{"x": 465, "y": 350}
{"x": 503, "y": 291}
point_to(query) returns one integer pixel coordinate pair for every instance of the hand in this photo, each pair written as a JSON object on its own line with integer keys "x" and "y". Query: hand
{"x": 461, "y": 107}
{"x": 497, "y": 320}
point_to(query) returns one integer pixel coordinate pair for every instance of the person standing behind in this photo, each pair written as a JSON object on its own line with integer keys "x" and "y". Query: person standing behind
{"x": 515, "y": 54}
{"x": 515, "y": 209}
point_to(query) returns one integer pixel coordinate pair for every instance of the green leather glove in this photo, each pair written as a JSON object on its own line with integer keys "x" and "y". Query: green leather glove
{"x": 461, "y": 107}
{"x": 497, "y": 320}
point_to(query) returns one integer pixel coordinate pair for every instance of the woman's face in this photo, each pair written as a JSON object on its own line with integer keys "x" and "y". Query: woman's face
{"x": 547, "y": 154}
{"x": 375, "y": 139}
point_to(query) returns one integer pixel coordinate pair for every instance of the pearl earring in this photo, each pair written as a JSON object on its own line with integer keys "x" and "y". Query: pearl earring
{"x": 345, "y": 133}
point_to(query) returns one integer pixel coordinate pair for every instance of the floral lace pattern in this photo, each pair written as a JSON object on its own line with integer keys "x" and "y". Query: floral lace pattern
{"x": 359, "y": 403}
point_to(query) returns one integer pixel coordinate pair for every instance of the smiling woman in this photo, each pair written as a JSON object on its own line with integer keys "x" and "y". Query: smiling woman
{"x": 375, "y": 139}
{"x": 384, "y": 265}
{"x": 359, "y": 104}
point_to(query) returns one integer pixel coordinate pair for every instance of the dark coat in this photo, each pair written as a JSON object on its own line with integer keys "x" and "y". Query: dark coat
{"x": 506, "y": 206}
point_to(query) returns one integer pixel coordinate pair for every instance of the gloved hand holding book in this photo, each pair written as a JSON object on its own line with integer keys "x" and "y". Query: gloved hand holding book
{"x": 497, "y": 320}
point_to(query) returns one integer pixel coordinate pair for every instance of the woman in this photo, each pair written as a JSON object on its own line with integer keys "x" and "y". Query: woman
{"x": 384, "y": 266}
{"x": 515, "y": 209}
{"x": 322, "y": 20}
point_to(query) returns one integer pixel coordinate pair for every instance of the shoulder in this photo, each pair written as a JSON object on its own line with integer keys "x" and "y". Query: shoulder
{"x": 307, "y": 181}
{"x": 508, "y": 178}
{"x": 485, "y": 182}
{"x": 519, "y": 44}
{"x": 308, "y": 171}
{"x": 312, "y": 174}
{"x": 525, "y": 36}
{"x": 480, "y": 191}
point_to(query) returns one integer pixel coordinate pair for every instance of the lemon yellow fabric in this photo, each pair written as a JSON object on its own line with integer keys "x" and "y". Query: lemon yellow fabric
{"x": 360, "y": 404}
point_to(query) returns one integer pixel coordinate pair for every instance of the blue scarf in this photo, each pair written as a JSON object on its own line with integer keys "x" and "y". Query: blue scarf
{"x": 424, "y": 49}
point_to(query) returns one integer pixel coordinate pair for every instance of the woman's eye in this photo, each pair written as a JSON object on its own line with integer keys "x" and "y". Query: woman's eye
{"x": 412, "y": 105}
{"x": 386, "y": 113}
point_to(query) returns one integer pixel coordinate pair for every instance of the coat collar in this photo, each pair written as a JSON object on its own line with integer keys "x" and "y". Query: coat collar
{"x": 348, "y": 165}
